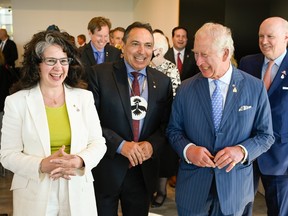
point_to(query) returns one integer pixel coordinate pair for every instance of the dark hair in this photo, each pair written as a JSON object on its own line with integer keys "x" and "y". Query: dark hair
{"x": 97, "y": 23}
{"x": 136, "y": 25}
{"x": 53, "y": 28}
{"x": 121, "y": 29}
{"x": 177, "y": 28}
{"x": 82, "y": 36}
{"x": 33, "y": 53}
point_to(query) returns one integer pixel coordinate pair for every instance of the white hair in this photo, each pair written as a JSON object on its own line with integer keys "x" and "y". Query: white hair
{"x": 160, "y": 41}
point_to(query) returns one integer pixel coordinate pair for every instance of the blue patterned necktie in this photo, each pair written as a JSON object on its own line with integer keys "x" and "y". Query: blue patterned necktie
{"x": 100, "y": 57}
{"x": 217, "y": 105}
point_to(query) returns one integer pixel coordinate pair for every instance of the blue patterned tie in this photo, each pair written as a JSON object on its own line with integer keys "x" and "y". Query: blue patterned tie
{"x": 100, "y": 57}
{"x": 217, "y": 105}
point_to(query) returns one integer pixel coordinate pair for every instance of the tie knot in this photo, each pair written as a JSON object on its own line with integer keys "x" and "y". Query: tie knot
{"x": 217, "y": 83}
{"x": 270, "y": 64}
{"x": 135, "y": 74}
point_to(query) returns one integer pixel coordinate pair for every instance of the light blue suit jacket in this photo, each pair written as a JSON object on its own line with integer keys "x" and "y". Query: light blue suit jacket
{"x": 274, "y": 161}
{"x": 191, "y": 122}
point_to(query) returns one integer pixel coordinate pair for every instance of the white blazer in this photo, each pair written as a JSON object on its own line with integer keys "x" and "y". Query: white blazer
{"x": 25, "y": 142}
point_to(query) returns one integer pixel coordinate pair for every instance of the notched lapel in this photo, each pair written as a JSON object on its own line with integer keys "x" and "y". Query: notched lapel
{"x": 152, "y": 97}
{"x": 202, "y": 89}
{"x": 37, "y": 111}
{"x": 283, "y": 69}
{"x": 121, "y": 81}
{"x": 234, "y": 91}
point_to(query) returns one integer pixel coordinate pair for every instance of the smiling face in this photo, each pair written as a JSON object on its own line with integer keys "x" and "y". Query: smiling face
{"x": 179, "y": 39}
{"x": 53, "y": 76}
{"x": 138, "y": 48}
{"x": 213, "y": 63}
{"x": 273, "y": 37}
{"x": 100, "y": 38}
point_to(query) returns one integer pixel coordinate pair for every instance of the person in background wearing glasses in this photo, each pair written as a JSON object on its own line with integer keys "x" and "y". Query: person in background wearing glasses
{"x": 51, "y": 135}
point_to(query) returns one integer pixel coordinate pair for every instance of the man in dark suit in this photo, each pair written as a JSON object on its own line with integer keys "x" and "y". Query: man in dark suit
{"x": 97, "y": 50}
{"x": 129, "y": 170}
{"x": 220, "y": 123}
{"x": 179, "y": 39}
{"x": 8, "y": 48}
{"x": 273, "y": 165}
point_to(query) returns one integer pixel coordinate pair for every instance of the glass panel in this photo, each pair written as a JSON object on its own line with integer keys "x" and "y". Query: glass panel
{"x": 6, "y": 20}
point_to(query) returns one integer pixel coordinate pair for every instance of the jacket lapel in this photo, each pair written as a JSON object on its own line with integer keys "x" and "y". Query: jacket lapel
{"x": 36, "y": 107}
{"x": 152, "y": 97}
{"x": 202, "y": 89}
{"x": 278, "y": 80}
{"x": 121, "y": 81}
{"x": 234, "y": 91}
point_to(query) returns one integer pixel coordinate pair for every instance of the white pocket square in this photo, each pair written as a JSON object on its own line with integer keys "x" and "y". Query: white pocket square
{"x": 285, "y": 87}
{"x": 243, "y": 108}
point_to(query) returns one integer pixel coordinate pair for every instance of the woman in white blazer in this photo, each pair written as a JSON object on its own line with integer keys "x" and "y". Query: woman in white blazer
{"x": 51, "y": 134}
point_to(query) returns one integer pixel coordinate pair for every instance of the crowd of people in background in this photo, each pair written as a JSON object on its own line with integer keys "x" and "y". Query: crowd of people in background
{"x": 119, "y": 117}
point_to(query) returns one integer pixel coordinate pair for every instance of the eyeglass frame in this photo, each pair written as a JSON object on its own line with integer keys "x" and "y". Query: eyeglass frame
{"x": 69, "y": 60}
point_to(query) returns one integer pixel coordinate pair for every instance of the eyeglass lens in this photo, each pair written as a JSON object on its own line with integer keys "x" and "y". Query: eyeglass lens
{"x": 52, "y": 61}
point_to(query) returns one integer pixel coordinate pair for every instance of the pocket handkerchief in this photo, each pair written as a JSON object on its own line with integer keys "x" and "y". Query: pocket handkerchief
{"x": 284, "y": 87}
{"x": 243, "y": 108}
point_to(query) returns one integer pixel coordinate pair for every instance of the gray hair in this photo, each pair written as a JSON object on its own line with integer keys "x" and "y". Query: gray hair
{"x": 42, "y": 45}
{"x": 221, "y": 36}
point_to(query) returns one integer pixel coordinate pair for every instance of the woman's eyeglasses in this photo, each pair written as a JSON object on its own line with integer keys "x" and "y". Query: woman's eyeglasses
{"x": 52, "y": 61}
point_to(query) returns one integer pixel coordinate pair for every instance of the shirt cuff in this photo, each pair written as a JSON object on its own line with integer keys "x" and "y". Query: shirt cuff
{"x": 245, "y": 152}
{"x": 120, "y": 147}
{"x": 184, "y": 152}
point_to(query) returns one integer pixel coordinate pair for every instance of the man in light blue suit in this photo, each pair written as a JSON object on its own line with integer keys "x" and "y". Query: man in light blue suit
{"x": 273, "y": 165}
{"x": 216, "y": 174}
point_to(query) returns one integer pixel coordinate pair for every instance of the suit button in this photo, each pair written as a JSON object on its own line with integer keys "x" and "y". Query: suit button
{"x": 212, "y": 171}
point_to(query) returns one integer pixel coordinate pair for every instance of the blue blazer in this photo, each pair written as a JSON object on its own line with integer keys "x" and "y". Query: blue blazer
{"x": 246, "y": 120}
{"x": 274, "y": 161}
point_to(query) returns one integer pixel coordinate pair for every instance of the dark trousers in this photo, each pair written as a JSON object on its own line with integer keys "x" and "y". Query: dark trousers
{"x": 133, "y": 196}
{"x": 276, "y": 193}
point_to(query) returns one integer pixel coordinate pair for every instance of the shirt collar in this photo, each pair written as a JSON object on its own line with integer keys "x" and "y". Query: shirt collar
{"x": 278, "y": 60}
{"x": 95, "y": 50}
{"x": 176, "y": 51}
{"x": 130, "y": 69}
{"x": 226, "y": 78}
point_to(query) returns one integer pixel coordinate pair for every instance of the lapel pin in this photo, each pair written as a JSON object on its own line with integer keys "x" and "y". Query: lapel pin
{"x": 77, "y": 109}
{"x": 283, "y": 74}
{"x": 234, "y": 88}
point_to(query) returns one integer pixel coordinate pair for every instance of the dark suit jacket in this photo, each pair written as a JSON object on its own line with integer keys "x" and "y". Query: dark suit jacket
{"x": 111, "y": 54}
{"x": 10, "y": 52}
{"x": 5, "y": 84}
{"x": 246, "y": 120}
{"x": 80, "y": 49}
{"x": 109, "y": 84}
{"x": 189, "y": 67}
{"x": 274, "y": 161}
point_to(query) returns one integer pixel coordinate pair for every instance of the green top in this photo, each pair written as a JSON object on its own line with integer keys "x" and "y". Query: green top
{"x": 59, "y": 128}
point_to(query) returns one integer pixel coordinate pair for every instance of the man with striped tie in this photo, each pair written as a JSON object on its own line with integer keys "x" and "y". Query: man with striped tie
{"x": 220, "y": 123}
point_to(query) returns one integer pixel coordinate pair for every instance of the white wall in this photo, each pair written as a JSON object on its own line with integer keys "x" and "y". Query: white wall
{"x": 32, "y": 16}
{"x": 161, "y": 14}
